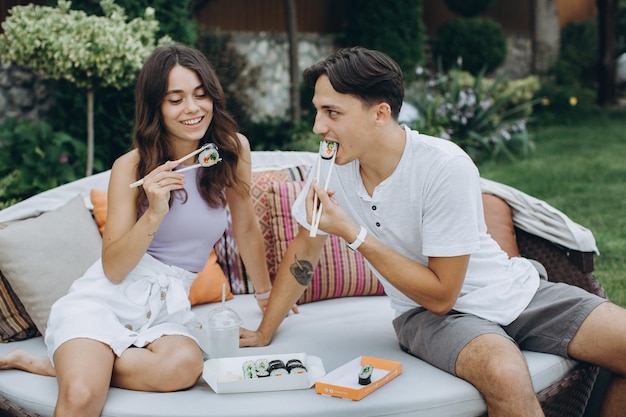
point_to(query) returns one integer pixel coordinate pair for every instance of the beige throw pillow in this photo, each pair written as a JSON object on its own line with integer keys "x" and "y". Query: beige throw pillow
{"x": 41, "y": 257}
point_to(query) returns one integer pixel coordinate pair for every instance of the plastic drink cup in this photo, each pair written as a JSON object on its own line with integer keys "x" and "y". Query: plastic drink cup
{"x": 222, "y": 327}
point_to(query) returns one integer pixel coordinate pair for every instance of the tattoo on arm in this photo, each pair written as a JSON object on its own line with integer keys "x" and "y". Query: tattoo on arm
{"x": 302, "y": 271}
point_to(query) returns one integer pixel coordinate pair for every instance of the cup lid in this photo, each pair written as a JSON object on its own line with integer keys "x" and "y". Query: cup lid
{"x": 223, "y": 317}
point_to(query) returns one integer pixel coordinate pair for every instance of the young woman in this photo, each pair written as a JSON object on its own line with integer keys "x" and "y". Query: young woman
{"x": 127, "y": 321}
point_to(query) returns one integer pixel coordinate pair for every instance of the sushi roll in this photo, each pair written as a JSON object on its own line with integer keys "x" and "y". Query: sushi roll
{"x": 261, "y": 365}
{"x": 327, "y": 149}
{"x": 297, "y": 370}
{"x": 295, "y": 366}
{"x": 365, "y": 375}
{"x": 249, "y": 374}
{"x": 279, "y": 372}
{"x": 277, "y": 368}
{"x": 249, "y": 371}
{"x": 209, "y": 156}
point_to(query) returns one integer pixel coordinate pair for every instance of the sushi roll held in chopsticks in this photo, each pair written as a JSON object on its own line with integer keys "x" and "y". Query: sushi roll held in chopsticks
{"x": 209, "y": 156}
{"x": 328, "y": 151}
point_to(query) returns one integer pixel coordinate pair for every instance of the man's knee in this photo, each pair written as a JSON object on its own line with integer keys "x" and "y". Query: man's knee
{"x": 493, "y": 360}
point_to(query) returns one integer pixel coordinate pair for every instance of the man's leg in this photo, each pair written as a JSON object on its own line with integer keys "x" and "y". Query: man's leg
{"x": 602, "y": 340}
{"x": 497, "y": 368}
{"x": 475, "y": 349}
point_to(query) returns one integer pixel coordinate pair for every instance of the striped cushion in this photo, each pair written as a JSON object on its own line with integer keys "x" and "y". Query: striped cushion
{"x": 341, "y": 272}
{"x": 227, "y": 253}
{"x": 15, "y": 323}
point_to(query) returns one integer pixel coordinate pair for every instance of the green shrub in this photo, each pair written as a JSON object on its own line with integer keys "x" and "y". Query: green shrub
{"x": 35, "y": 158}
{"x": 469, "y": 8}
{"x": 578, "y": 55}
{"x": 175, "y": 17}
{"x": 479, "y": 42}
{"x": 113, "y": 109}
{"x": 393, "y": 26}
{"x": 564, "y": 104}
{"x": 486, "y": 117}
{"x": 621, "y": 27}
{"x": 5, "y": 185}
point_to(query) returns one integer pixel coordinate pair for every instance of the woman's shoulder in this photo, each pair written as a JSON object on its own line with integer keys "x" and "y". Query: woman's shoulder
{"x": 243, "y": 140}
{"x": 129, "y": 159}
{"x": 125, "y": 165}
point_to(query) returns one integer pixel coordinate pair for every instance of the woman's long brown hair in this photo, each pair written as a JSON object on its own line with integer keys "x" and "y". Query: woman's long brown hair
{"x": 151, "y": 139}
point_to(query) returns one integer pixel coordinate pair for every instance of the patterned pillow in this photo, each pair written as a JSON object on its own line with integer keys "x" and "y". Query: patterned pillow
{"x": 340, "y": 272}
{"x": 15, "y": 323}
{"x": 226, "y": 248}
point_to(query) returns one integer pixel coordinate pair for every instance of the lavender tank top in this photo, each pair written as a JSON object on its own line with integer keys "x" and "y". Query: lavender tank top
{"x": 188, "y": 231}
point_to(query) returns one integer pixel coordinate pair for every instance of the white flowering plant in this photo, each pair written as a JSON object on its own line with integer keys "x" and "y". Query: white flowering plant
{"x": 87, "y": 50}
{"x": 486, "y": 117}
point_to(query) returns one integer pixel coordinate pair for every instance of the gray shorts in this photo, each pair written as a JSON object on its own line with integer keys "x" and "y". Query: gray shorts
{"x": 547, "y": 325}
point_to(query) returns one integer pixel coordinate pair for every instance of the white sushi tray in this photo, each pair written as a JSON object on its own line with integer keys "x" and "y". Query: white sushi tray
{"x": 226, "y": 375}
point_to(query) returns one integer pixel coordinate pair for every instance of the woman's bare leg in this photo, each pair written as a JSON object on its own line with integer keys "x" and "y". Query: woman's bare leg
{"x": 170, "y": 363}
{"x": 20, "y": 359}
{"x": 83, "y": 368}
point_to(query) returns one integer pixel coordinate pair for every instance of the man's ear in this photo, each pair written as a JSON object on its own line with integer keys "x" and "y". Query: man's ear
{"x": 383, "y": 113}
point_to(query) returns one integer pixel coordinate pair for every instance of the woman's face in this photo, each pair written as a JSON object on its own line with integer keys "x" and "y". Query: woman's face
{"x": 187, "y": 109}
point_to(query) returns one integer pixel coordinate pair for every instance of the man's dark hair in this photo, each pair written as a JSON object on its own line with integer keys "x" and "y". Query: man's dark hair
{"x": 369, "y": 75}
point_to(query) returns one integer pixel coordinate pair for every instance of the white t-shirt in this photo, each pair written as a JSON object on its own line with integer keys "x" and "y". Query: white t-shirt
{"x": 431, "y": 205}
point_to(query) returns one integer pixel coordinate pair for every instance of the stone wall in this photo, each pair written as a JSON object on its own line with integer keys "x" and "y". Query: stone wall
{"x": 518, "y": 62}
{"x": 22, "y": 94}
{"x": 270, "y": 51}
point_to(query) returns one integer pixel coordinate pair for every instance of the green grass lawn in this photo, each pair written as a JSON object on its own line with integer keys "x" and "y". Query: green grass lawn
{"x": 580, "y": 168}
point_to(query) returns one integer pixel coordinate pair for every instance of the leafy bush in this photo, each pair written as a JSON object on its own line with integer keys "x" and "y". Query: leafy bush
{"x": 469, "y": 8}
{"x": 175, "y": 17}
{"x": 486, "y": 117}
{"x": 5, "y": 185}
{"x": 282, "y": 133}
{"x": 393, "y": 26}
{"x": 621, "y": 27}
{"x": 479, "y": 42}
{"x": 564, "y": 104}
{"x": 114, "y": 108}
{"x": 34, "y": 158}
{"x": 578, "y": 55}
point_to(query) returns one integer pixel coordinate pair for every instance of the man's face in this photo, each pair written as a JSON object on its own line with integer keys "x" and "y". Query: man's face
{"x": 342, "y": 118}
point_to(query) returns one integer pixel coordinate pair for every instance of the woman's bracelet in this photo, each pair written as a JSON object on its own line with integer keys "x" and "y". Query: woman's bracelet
{"x": 262, "y": 296}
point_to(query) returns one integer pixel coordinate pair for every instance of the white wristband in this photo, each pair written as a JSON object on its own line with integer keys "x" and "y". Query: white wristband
{"x": 263, "y": 296}
{"x": 360, "y": 238}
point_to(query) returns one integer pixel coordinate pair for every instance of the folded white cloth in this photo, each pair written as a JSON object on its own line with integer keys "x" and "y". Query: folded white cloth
{"x": 541, "y": 219}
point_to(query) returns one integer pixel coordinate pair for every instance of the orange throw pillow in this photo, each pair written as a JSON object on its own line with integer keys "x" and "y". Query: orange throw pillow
{"x": 499, "y": 220}
{"x": 99, "y": 201}
{"x": 206, "y": 288}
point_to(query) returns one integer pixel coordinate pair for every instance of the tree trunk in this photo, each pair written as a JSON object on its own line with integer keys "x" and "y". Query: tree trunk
{"x": 294, "y": 76}
{"x": 607, "y": 27}
{"x": 90, "y": 134}
{"x": 546, "y": 34}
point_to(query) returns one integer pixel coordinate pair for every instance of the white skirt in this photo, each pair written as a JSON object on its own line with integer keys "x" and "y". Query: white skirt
{"x": 150, "y": 302}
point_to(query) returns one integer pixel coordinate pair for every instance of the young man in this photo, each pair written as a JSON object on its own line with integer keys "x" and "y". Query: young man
{"x": 411, "y": 204}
